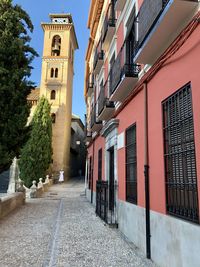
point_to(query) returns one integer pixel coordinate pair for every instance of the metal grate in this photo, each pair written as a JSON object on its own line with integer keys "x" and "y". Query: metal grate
{"x": 179, "y": 155}
{"x": 131, "y": 165}
{"x": 100, "y": 164}
{"x": 102, "y": 200}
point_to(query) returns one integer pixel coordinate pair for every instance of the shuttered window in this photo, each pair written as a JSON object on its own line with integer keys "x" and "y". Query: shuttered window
{"x": 100, "y": 164}
{"x": 131, "y": 165}
{"x": 179, "y": 155}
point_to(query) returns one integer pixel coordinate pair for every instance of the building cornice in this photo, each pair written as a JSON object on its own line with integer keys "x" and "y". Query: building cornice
{"x": 94, "y": 16}
{"x": 54, "y": 58}
{"x": 56, "y": 26}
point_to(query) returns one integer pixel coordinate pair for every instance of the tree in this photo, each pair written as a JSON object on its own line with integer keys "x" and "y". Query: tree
{"x": 16, "y": 56}
{"x": 36, "y": 155}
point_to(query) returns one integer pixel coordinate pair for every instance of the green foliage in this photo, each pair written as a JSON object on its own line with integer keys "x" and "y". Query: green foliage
{"x": 16, "y": 56}
{"x": 36, "y": 155}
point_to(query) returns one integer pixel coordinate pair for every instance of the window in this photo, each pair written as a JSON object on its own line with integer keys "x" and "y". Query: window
{"x": 53, "y": 95}
{"x": 52, "y": 72}
{"x": 53, "y": 117}
{"x": 131, "y": 165}
{"x": 100, "y": 164}
{"x": 56, "y": 73}
{"x": 130, "y": 37}
{"x": 56, "y": 46}
{"x": 179, "y": 155}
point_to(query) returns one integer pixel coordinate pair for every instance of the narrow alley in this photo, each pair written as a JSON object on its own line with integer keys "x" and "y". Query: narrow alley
{"x": 61, "y": 229}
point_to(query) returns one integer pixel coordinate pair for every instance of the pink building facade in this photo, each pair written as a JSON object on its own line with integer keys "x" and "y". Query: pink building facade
{"x": 143, "y": 124}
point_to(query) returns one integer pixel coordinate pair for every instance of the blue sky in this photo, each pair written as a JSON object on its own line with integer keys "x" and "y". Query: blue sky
{"x": 38, "y": 11}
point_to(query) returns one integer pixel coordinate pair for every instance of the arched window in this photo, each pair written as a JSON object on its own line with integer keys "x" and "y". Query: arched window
{"x": 53, "y": 117}
{"x": 56, "y": 46}
{"x": 53, "y": 94}
{"x": 52, "y": 72}
{"x": 56, "y": 73}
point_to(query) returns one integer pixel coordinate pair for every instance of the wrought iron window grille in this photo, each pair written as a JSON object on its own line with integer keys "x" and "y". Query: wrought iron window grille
{"x": 179, "y": 156}
{"x": 131, "y": 165}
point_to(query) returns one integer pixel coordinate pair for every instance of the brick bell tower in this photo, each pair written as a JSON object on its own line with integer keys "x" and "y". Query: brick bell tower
{"x": 60, "y": 42}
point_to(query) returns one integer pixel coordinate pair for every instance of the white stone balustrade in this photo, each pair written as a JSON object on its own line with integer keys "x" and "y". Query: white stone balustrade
{"x": 37, "y": 190}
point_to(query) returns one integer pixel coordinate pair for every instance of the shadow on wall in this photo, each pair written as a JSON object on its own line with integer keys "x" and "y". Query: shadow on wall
{"x": 77, "y": 161}
{"x": 4, "y": 181}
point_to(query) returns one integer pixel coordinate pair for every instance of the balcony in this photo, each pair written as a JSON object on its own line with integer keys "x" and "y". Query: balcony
{"x": 88, "y": 132}
{"x": 98, "y": 58}
{"x": 88, "y": 136}
{"x": 108, "y": 26}
{"x": 159, "y": 23}
{"x": 123, "y": 75}
{"x": 106, "y": 108}
{"x": 95, "y": 123}
{"x": 119, "y": 5}
{"x": 90, "y": 84}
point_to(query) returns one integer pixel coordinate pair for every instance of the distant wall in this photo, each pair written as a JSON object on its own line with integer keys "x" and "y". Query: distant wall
{"x": 10, "y": 202}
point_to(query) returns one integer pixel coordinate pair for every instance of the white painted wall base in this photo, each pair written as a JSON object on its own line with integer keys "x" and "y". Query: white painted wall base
{"x": 131, "y": 222}
{"x": 88, "y": 196}
{"x": 174, "y": 242}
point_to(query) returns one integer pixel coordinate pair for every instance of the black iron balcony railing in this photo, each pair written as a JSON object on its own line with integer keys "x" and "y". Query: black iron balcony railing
{"x": 94, "y": 119}
{"x": 103, "y": 100}
{"x": 88, "y": 132}
{"x": 148, "y": 15}
{"x": 93, "y": 116}
{"x": 109, "y": 20}
{"x": 123, "y": 67}
{"x": 99, "y": 54}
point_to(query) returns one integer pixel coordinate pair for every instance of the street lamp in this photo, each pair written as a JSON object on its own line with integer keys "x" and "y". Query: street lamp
{"x": 78, "y": 143}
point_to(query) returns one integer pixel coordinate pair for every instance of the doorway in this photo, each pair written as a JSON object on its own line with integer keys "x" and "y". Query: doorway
{"x": 111, "y": 180}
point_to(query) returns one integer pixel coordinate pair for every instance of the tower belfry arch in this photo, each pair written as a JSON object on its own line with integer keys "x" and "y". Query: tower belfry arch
{"x": 60, "y": 42}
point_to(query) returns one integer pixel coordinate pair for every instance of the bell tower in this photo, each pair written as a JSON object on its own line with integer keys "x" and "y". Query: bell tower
{"x": 60, "y": 42}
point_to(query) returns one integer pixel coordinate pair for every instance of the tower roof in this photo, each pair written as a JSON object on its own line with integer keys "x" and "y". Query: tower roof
{"x": 34, "y": 94}
{"x": 61, "y": 15}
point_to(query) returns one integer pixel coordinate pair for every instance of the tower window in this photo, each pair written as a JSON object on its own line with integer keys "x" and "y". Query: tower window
{"x": 56, "y": 73}
{"x": 53, "y": 117}
{"x": 53, "y": 95}
{"x": 56, "y": 46}
{"x": 52, "y": 72}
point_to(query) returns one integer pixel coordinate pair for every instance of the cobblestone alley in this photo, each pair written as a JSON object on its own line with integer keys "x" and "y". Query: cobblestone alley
{"x": 61, "y": 229}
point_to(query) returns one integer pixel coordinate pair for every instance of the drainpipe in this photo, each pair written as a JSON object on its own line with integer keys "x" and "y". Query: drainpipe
{"x": 92, "y": 182}
{"x": 86, "y": 172}
{"x": 146, "y": 174}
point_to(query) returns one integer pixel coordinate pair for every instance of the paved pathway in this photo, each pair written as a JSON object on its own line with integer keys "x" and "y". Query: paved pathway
{"x": 61, "y": 230}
